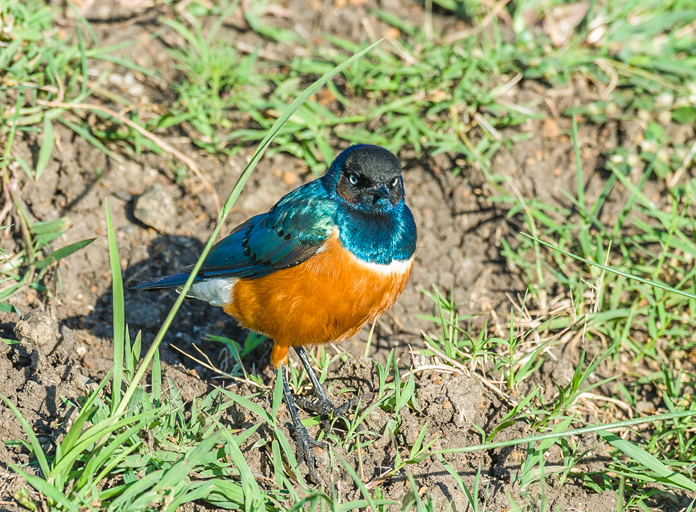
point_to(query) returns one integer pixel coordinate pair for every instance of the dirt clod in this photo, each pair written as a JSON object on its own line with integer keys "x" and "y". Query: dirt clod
{"x": 155, "y": 208}
{"x": 38, "y": 330}
{"x": 465, "y": 394}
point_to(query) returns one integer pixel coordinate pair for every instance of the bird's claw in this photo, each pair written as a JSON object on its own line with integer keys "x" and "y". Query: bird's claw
{"x": 304, "y": 450}
{"x": 326, "y": 409}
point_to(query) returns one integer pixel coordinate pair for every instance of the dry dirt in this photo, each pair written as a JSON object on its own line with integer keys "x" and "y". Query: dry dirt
{"x": 68, "y": 341}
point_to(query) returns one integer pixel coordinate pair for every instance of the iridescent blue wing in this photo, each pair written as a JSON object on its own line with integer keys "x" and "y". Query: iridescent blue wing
{"x": 291, "y": 233}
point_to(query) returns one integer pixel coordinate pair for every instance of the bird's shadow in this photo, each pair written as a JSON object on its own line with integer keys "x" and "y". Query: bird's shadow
{"x": 146, "y": 311}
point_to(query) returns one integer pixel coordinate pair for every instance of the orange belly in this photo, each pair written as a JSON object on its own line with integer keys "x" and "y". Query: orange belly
{"x": 326, "y": 299}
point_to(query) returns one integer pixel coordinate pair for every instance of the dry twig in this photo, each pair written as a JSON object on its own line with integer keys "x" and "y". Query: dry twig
{"x": 210, "y": 366}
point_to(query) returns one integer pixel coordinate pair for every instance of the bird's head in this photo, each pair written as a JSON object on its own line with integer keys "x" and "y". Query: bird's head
{"x": 368, "y": 178}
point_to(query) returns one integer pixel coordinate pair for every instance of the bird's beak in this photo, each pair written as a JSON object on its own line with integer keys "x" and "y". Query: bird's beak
{"x": 381, "y": 191}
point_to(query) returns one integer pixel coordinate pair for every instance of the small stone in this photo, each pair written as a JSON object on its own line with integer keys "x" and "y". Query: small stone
{"x": 550, "y": 129}
{"x": 290, "y": 178}
{"x": 123, "y": 196}
{"x": 392, "y": 33}
{"x": 156, "y": 209}
{"x": 645, "y": 406}
{"x": 85, "y": 383}
{"x": 89, "y": 362}
{"x": 136, "y": 90}
{"x": 116, "y": 79}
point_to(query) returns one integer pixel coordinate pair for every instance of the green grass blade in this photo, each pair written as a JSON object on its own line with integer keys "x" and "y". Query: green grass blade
{"x": 46, "y": 489}
{"x": 197, "y": 491}
{"x": 73, "y": 434}
{"x": 13, "y": 126}
{"x": 10, "y": 308}
{"x": 156, "y": 378}
{"x": 87, "y": 135}
{"x": 249, "y": 405}
{"x": 33, "y": 440}
{"x": 137, "y": 346}
{"x": 362, "y": 505}
{"x": 63, "y": 252}
{"x": 46, "y": 149}
{"x": 289, "y": 452}
{"x": 575, "y": 432}
{"x": 98, "y": 432}
{"x": 280, "y": 122}
{"x": 277, "y": 464}
{"x": 107, "y": 452}
{"x": 253, "y": 498}
{"x": 138, "y": 490}
{"x": 128, "y": 356}
{"x": 473, "y": 498}
{"x": 95, "y": 394}
{"x": 419, "y": 440}
{"x": 83, "y": 54}
{"x": 655, "y": 284}
{"x": 119, "y": 313}
{"x": 667, "y": 476}
{"x": 414, "y": 492}
{"x": 578, "y": 165}
{"x": 183, "y": 468}
{"x": 277, "y": 393}
{"x": 359, "y": 483}
{"x": 226, "y": 494}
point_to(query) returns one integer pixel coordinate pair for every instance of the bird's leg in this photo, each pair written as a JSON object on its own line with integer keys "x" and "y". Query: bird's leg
{"x": 302, "y": 437}
{"x": 323, "y": 406}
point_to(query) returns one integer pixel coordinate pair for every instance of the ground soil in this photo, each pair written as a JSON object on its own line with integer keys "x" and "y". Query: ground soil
{"x": 66, "y": 346}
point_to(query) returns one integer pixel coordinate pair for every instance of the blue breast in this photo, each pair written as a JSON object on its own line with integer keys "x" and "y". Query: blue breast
{"x": 378, "y": 238}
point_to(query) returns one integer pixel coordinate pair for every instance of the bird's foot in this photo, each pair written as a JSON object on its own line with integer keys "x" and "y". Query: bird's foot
{"x": 326, "y": 409}
{"x": 304, "y": 449}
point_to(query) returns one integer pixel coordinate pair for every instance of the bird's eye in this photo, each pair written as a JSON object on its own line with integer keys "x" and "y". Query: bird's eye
{"x": 395, "y": 182}
{"x": 353, "y": 179}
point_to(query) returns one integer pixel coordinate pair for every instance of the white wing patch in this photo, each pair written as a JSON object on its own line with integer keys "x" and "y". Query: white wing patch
{"x": 216, "y": 292}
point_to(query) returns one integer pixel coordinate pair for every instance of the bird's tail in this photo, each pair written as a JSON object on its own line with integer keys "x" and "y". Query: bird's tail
{"x": 162, "y": 283}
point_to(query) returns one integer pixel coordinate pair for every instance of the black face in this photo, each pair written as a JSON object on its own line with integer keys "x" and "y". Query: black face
{"x": 371, "y": 179}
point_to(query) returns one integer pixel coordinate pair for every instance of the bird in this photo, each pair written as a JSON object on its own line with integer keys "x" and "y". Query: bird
{"x": 327, "y": 259}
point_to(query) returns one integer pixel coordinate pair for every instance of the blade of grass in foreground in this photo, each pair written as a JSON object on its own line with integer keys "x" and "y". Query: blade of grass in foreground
{"x": 236, "y": 191}
{"x": 119, "y": 315}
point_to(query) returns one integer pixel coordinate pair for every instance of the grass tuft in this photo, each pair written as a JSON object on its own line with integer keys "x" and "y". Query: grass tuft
{"x": 617, "y": 290}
